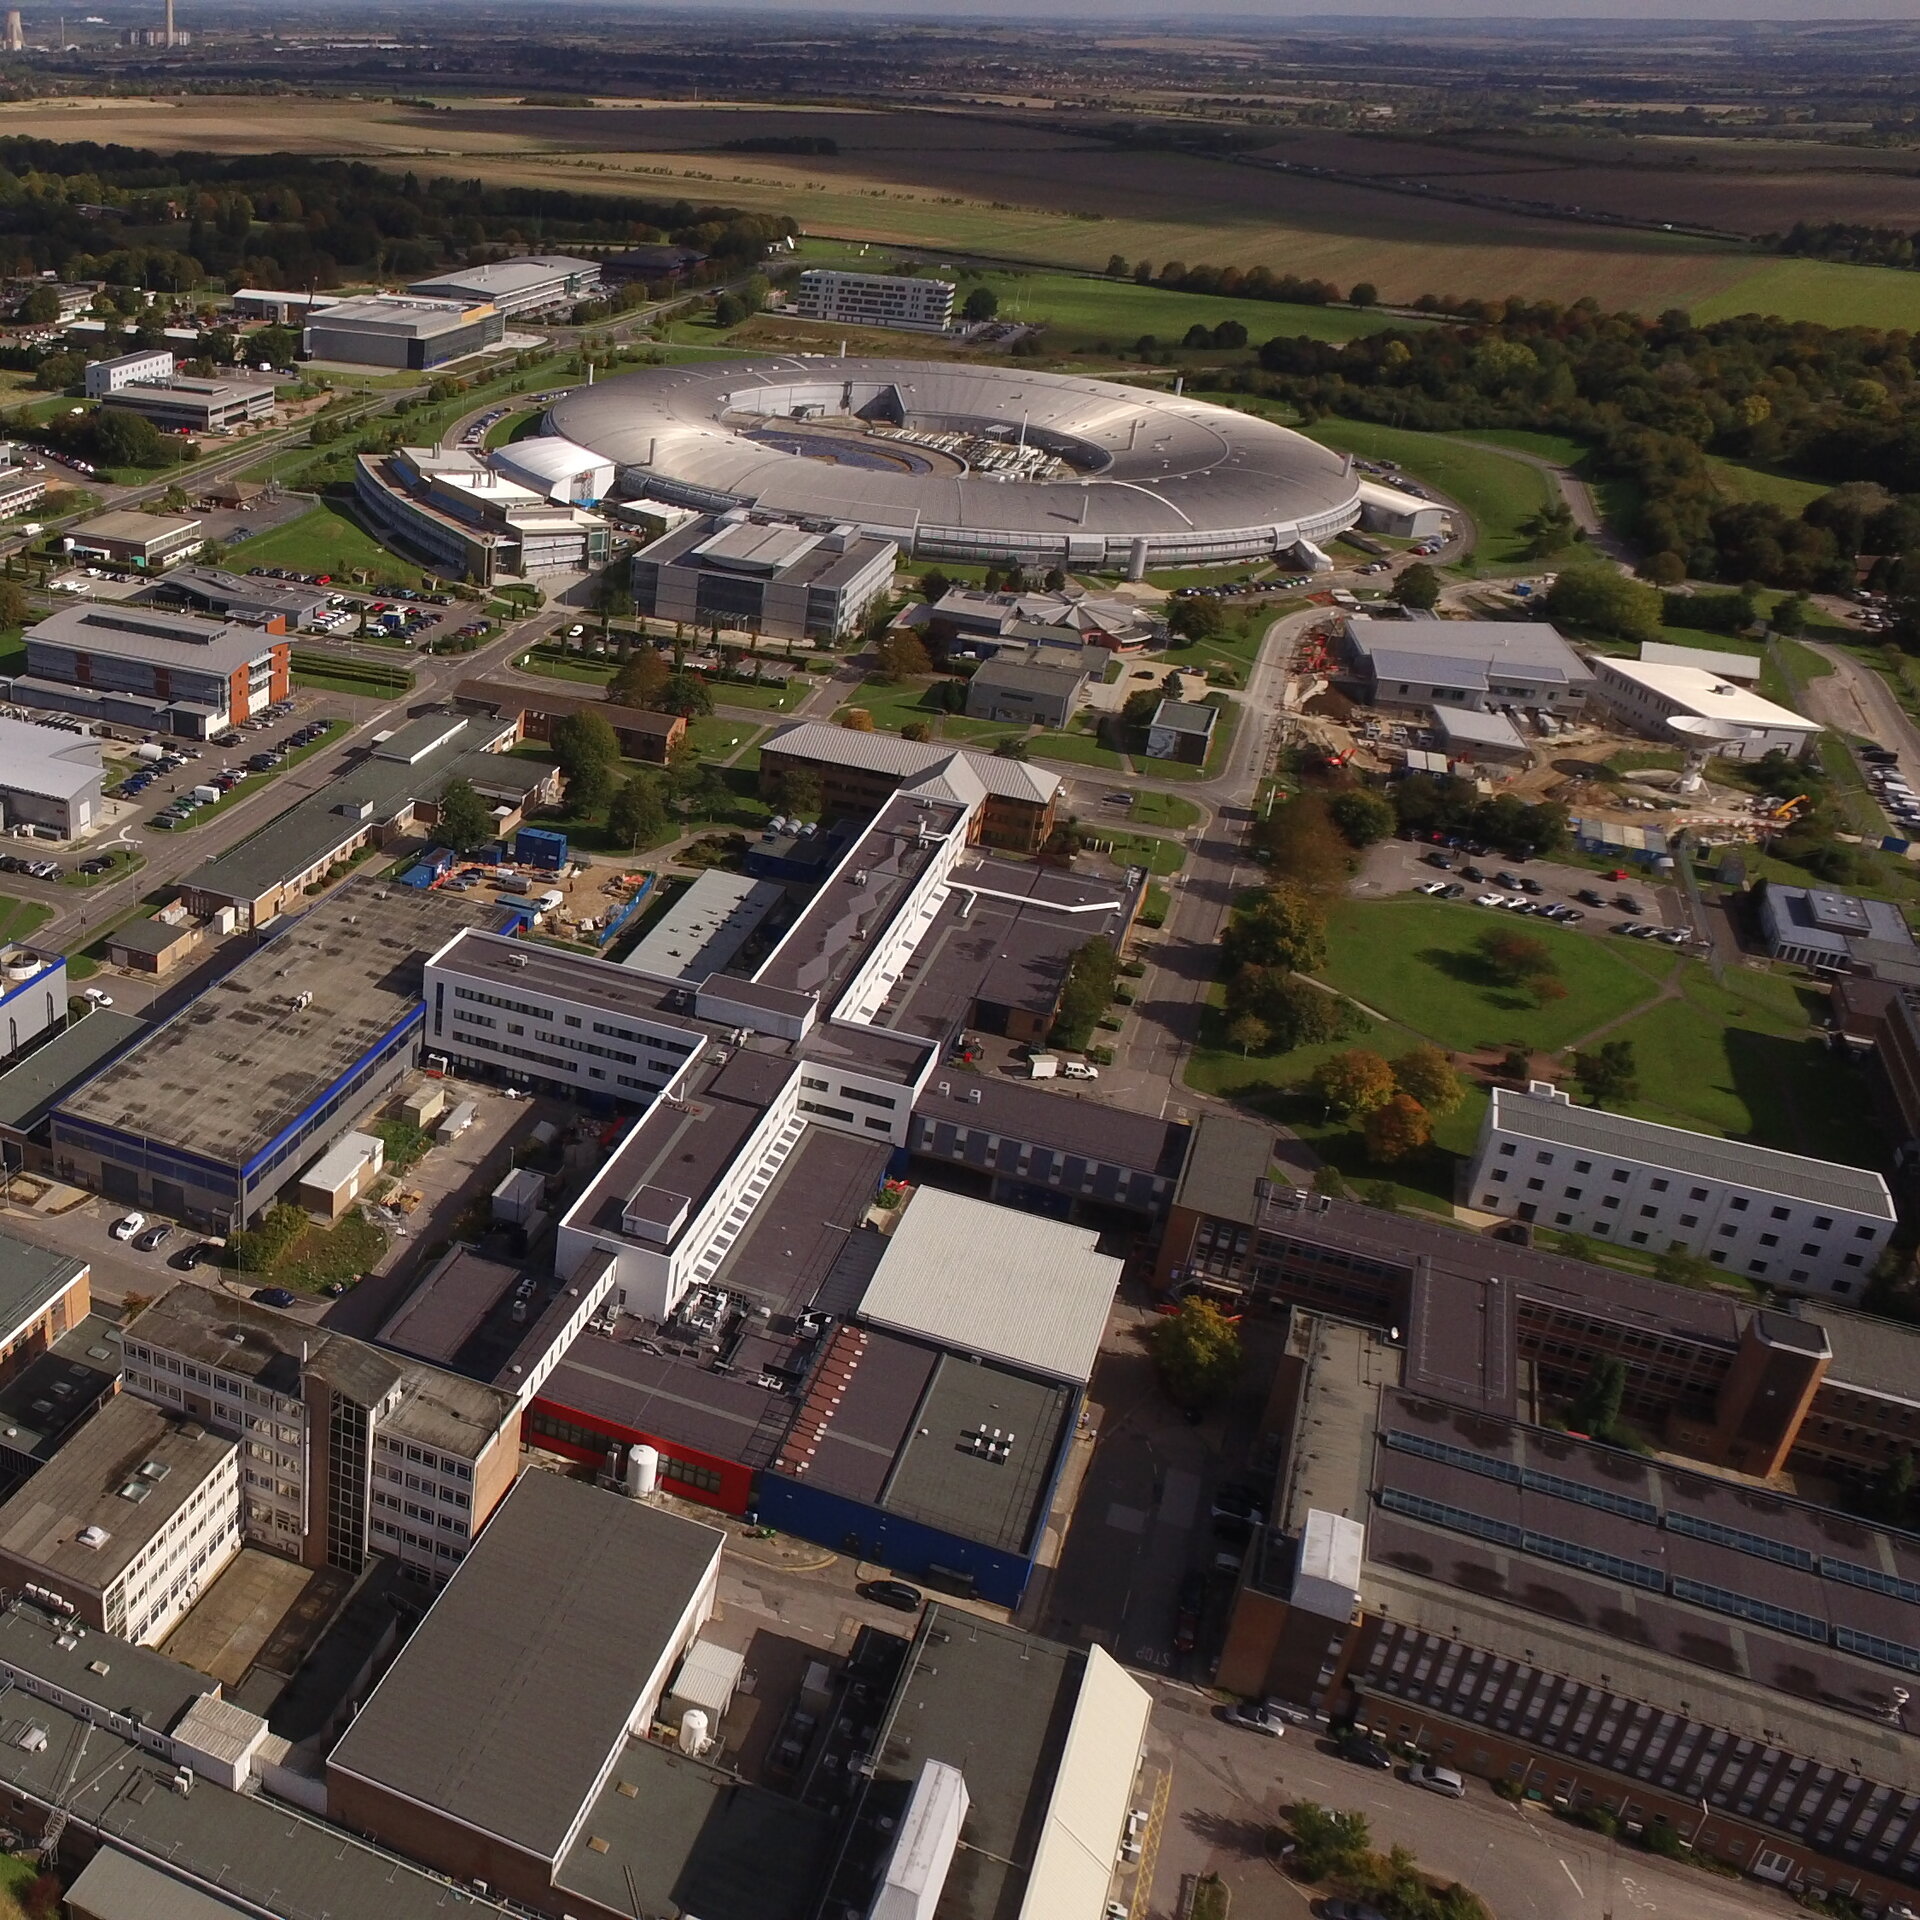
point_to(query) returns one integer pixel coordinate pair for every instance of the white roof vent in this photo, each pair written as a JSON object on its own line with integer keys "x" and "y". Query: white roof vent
{"x": 93, "y": 1537}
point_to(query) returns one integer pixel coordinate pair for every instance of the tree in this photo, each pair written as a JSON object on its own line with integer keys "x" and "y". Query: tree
{"x": 1282, "y": 927}
{"x": 1681, "y": 1267}
{"x": 1326, "y": 1842}
{"x": 1397, "y": 1129}
{"x": 41, "y": 307}
{"x": 1596, "y": 1407}
{"x": 122, "y": 439}
{"x": 1364, "y": 294}
{"x": 1248, "y": 1032}
{"x": 584, "y": 739}
{"x": 857, "y": 720}
{"x": 1354, "y": 1082}
{"x": 1198, "y": 1353}
{"x": 1198, "y": 617}
{"x": 1424, "y": 1073}
{"x": 918, "y": 731}
{"x": 1302, "y": 843}
{"x": 638, "y": 815}
{"x": 982, "y": 303}
{"x": 1330, "y": 1182}
{"x": 1295, "y": 1013}
{"x": 1608, "y": 1074}
{"x": 14, "y": 610}
{"x": 590, "y": 788}
{"x": 1117, "y": 269}
{"x": 1092, "y": 974}
{"x": 466, "y": 821}
{"x": 1362, "y": 815}
{"x": 686, "y": 694}
{"x": 1417, "y": 586}
{"x": 799, "y": 791}
{"x": 901, "y": 655}
{"x": 641, "y": 681}
{"x": 1790, "y": 614}
{"x": 1597, "y": 598}
{"x": 1515, "y": 958}
{"x": 729, "y": 310}
{"x": 934, "y": 585}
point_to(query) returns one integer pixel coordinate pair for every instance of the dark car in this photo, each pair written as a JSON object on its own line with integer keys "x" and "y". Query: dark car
{"x": 1471, "y": 873}
{"x": 1439, "y": 860}
{"x": 1367, "y": 1753}
{"x": 1527, "y": 885}
{"x": 191, "y": 1255}
{"x": 1504, "y": 879}
{"x": 887, "y": 1593}
{"x": 1627, "y": 903}
{"x": 1588, "y": 898}
{"x": 1186, "y": 1625}
{"x": 152, "y": 1238}
{"x": 1338, "y": 1909}
{"x": 281, "y": 1297}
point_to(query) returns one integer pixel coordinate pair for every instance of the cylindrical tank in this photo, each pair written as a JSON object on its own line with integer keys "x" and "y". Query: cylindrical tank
{"x": 693, "y": 1732}
{"x": 21, "y": 965}
{"x": 643, "y": 1471}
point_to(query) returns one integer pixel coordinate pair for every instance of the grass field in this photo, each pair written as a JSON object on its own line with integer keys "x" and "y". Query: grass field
{"x": 1499, "y": 493}
{"x": 18, "y": 918}
{"x": 363, "y": 680}
{"x": 328, "y": 540}
{"x": 1837, "y": 296}
{"x": 1110, "y": 315}
{"x": 1742, "y": 482}
{"x": 894, "y": 707}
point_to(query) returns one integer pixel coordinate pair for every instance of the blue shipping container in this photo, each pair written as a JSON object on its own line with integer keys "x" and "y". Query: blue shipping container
{"x": 540, "y": 847}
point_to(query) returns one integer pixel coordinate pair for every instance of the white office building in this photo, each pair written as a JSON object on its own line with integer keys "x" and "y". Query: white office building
{"x": 1689, "y": 704}
{"x": 1812, "y": 1226}
{"x": 129, "y": 369}
{"x": 1479, "y": 665}
{"x": 875, "y": 300}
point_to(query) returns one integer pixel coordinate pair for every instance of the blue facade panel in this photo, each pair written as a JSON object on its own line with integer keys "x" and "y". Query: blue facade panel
{"x": 908, "y": 1546}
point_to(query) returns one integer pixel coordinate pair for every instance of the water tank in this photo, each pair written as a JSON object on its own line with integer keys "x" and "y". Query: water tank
{"x": 643, "y": 1471}
{"x": 693, "y": 1727}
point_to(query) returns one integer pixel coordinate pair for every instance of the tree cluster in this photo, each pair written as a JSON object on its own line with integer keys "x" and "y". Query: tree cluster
{"x": 1198, "y": 1353}
{"x": 1429, "y": 803}
{"x": 1393, "y": 1102}
{"x": 1092, "y": 975}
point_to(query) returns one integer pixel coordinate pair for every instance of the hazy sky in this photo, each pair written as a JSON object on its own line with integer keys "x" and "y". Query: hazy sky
{"x": 1672, "y": 11}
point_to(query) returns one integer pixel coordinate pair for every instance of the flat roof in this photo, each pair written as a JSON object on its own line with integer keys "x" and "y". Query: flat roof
{"x": 1185, "y": 716}
{"x": 703, "y": 931}
{"x": 31, "y": 1090}
{"x": 1729, "y": 666}
{"x": 244, "y": 1062}
{"x": 225, "y": 590}
{"x": 139, "y": 1681}
{"x": 501, "y": 279}
{"x": 1491, "y": 647}
{"x": 115, "y": 1886}
{"x": 1738, "y": 1163}
{"x": 1228, "y": 1159}
{"x": 1041, "y": 1304}
{"x": 48, "y": 761}
{"x": 1481, "y": 729}
{"x": 31, "y": 1279}
{"x": 413, "y": 316}
{"x": 672, "y": 1835}
{"x": 1031, "y": 676}
{"x": 986, "y": 1104}
{"x": 506, "y": 1703}
{"x": 149, "y": 935}
{"x": 114, "y": 1486}
{"x": 129, "y": 524}
{"x": 155, "y": 635}
{"x": 61, "y": 1386}
{"x": 1708, "y": 695}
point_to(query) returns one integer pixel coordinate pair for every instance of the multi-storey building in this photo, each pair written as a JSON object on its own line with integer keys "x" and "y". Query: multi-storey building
{"x": 109, "y": 376}
{"x": 1810, "y": 1225}
{"x": 127, "y": 1522}
{"x": 187, "y": 405}
{"x": 143, "y": 666}
{"x": 875, "y": 300}
{"x": 345, "y": 1450}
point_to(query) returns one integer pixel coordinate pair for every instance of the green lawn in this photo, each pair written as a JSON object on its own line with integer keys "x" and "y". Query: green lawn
{"x": 361, "y": 679}
{"x": 1499, "y": 493}
{"x": 1162, "y": 810}
{"x": 1823, "y": 290}
{"x": 1561, "y": 449}
{"x": 1153, "y": 851}
{"x": 749, "y": 693}
{"x": 327, "y": 540}
{"x": 1084, "y": 311}
{"x": 715, "y": 737}
{"x": 1743, "y": 482}
{"x": 1077, "y": 749}
{"x": 19, "y": 918}
{"x": 894, "y": 707}
{"x": 516, "y": 426}
{"x": 569, "y": 666}
{"x": 1416, "y": 962}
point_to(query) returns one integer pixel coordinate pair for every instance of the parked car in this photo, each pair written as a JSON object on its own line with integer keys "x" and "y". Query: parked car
{"x": 1437, "y": 1780}
{"x": 272, "y": 1296}
{"x": 1364, "y": 1752}
{"x": 1254, "y": 1716}
{"x": 128, "y": 1225}
{"x": 1433, "y": 887}
{"x": 1336, "y": 1908}
{"x": 887, "y": 1593}
{"x": 154, "y": 1237}
{"x": 192, "y": 1254}
{"x": 98, "y": 998}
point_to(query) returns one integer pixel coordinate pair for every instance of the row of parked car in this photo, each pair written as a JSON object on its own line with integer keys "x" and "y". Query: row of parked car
{"x": 1890, "y": 788}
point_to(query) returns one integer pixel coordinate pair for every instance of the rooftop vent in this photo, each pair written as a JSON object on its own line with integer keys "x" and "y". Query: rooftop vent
{"x": 93, "y": 1538}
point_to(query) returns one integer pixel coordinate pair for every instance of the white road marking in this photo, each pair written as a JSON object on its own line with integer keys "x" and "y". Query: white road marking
{"x": 1577, "y": 1887}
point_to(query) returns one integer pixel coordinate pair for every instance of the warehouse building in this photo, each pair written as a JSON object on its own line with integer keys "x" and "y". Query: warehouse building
{"x": 144, "y": 666}
{"x": 351, "y": 1450}
{"x": 326, "y": 1015}
{"x": 48, "y": 777}
{"x": 874, "y": 300}
{"x": 1028, "y": 688}
{"x": 1833, "y": 932}
{"x": 279, "y": 308}
{"x": 531, "y": 283}
{"x": 565, "y": 1623}
{"x": 125, "y": 1525}
{"x": 1659, "y": 700}
{"x": 780, "y": 581}
{"x": 1809, "y": 1225}
{"x": 139, "y": 542}
{"x": 401, "y": 330}
{"x": 185, "y": 404}
{"x": 1479, "y": 664}
{"x": 556, "y": 468}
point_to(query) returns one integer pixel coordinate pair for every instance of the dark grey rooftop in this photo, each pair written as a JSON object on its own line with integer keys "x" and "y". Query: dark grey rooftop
{"x": 442, "y": 1312}
{"x": 1228, "y": 1158}
{"x": 1019, "y": 1110}
{"x": 149, "y": 936}
{"x": 33, "y": 1088}
{"x": 671, "y": 1835}
{"x": 31, "y": 1279}
{"x": 59, "y": 1387}
{"x": 517, "y": 1688}
{"x": 138, "y": 1681}
{"x": 1870, "y": 1354}
{"x": 237, "y": 1066}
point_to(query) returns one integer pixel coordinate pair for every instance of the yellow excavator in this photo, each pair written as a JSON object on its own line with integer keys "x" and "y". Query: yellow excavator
{"x": 1787, "y": 810}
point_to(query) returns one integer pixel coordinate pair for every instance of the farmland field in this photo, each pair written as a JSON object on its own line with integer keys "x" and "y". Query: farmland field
{"x": 991, "y": 186}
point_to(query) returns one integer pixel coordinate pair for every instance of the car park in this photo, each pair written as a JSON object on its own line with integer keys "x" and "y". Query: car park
{"x": 1437, "y": 1780}
{"x": 892, "y": 1593}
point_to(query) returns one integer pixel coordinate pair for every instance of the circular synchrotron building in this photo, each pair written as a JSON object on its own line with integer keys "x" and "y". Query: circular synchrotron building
{"x": 967, "y": 462}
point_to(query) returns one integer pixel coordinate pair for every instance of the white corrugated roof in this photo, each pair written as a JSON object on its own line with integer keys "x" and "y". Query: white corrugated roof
{"x": 888, "y": 753}
{"x": 983, "y": 1279}
{"x": 708, "y": 1677}
{"x": 1092, "y": 1794}
{"x": 1707, "y": 694}
{"x": 1729, "y": 666}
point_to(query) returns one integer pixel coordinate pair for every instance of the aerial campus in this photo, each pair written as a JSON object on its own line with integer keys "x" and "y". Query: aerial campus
{"x": 869, "y": 1058}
